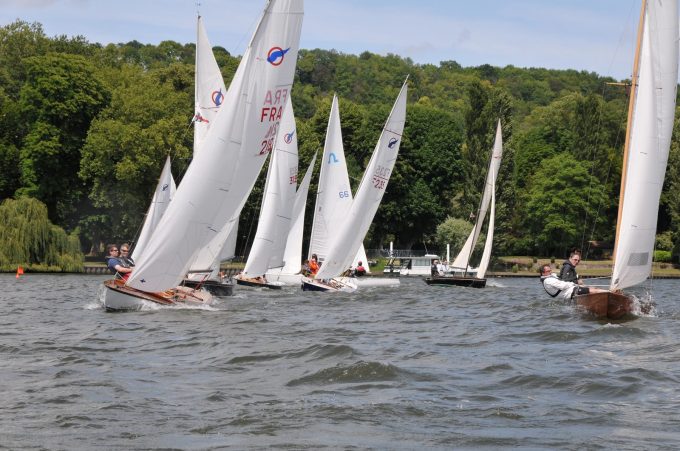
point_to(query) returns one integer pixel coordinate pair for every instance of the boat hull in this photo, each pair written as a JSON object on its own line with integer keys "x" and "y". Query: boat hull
{"x": 214, "y": 287}
{"x": 457, "y": 281}
{"x": 338, "y": 284}
{"x": 605, "y": 305}
{"x": 119, "y": 297}
{"x": 254, "y": 283}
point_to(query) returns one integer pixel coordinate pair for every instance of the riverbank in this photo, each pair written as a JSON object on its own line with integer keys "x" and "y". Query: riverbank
{"x": 512, "y": 266}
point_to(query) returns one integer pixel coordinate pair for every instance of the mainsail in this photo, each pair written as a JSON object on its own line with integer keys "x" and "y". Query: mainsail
{"x": 650, "y": 128}
{"x": 292, "y": 257}
{"x": 224, "y": 171}
{"x": 334, "y": 193}
{"x": 346, "y": 241}
{"x": 277, "y": 202}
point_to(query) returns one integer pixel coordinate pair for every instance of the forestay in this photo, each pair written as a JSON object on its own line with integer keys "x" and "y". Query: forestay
{"x": 346, "y": 242}
{"x": 649, "y": 143}
{"x": 224, "y": 171}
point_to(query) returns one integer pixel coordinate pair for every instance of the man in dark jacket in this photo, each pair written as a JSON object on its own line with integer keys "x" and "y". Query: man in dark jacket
{"x": 568, "y": 272}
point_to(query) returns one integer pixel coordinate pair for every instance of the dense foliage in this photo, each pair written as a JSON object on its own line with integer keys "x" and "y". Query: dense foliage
{"x": 84, "y": 129}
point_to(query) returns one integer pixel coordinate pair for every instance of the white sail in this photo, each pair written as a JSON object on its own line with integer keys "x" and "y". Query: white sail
{"x": 649, "y": 143}
{"x": 463, "y": 258}
{"x": 277, "y": 202}
{"x": 292, "y": 257}
{"x": 209, "y": 87}
{"x": 165, "y": 190}
{"x": 486, "y": 255}
{"x": 223, "y": 172}
{"x": 334, "y": 193}
{"x": 346, "y": 242}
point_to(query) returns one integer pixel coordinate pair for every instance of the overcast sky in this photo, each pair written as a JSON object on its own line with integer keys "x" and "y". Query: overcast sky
{"x": 591, "y": 35}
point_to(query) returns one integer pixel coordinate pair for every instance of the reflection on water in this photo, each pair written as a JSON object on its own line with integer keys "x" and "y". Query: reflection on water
{"x": 390, "y": 368}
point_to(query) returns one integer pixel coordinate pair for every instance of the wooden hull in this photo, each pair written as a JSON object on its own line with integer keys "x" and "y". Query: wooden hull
{"x": 344, "y": 284}
{"x": 605, "y": 305}
{"x": 457, "y": 281}
{"x": 214, "y": 287}
{"x": 248, "y": 282}
{"x": 119, "y": 297}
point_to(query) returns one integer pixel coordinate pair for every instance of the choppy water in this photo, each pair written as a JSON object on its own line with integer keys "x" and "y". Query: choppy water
{"x": 414, "y": 367}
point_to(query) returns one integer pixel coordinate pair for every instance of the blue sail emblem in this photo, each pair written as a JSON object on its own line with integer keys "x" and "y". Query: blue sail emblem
{"x": 275, "y": 55}
{"x": 165, "y": 186}
{"x": 288, "y": 137}
{"x": 332, "y": 158}
{"x": 393, "y": 142}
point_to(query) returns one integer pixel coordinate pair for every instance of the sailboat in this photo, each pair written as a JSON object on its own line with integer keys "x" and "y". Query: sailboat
{"x": 347, "y": 234}
{"x": 223, "y": 172}
{"x": 209, "y": 95}
{"x": 462, "y": 261}
{"x": 651, "y": 112}
{"x": 334, "y": 193}
{"x": 276, "y": 209}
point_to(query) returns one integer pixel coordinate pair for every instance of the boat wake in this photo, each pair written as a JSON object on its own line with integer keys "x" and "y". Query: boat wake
{"x": 644, "y": 306}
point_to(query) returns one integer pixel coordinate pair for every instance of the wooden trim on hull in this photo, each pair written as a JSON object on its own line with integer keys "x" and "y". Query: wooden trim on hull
{"x": 122, "y": 297}
{"x": 214, "y": 287}
{"x": 605, "y": 305}
{"x": 457, "y": 281}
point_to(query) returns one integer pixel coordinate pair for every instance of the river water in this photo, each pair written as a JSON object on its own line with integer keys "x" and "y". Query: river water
{"x": 413, "y": 367}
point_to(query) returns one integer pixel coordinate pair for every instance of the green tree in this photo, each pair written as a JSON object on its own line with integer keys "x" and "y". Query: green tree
{"x": 29, "y": 239}
{"x": 555, "y": 205}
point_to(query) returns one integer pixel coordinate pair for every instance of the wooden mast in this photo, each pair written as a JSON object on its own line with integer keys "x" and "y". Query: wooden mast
{"x": 631, "y": 106}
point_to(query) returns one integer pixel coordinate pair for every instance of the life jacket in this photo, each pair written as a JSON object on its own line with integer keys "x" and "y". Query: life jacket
{"x": 552, "y": 295}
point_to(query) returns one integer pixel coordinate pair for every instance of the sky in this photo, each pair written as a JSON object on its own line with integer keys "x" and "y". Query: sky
{"x": 591, "y": 35}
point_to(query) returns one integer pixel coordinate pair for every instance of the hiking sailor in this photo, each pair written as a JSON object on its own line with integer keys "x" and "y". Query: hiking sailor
{"x": 560, "y": 288}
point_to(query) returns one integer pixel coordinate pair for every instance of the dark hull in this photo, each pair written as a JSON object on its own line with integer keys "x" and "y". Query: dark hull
{"x": 214, "y": 287}
{"x": 315, "y": 286}
{"x": 256, "y": 284}
{"x": 605, "y": 305}
{"x": 457, "y": 281}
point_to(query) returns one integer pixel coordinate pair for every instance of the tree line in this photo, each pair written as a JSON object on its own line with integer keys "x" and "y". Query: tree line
{"x": 85, "y": 128}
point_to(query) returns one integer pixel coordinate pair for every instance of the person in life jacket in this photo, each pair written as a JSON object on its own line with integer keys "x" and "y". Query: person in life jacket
{"x": 568, "y": 271}
{"x": 561, "y": 288}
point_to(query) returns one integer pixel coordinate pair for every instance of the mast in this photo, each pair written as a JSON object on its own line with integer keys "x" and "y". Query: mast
{"x": 631, "y": 106}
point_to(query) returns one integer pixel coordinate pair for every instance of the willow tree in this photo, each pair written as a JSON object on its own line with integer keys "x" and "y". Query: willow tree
{"x": 29, "y": 239}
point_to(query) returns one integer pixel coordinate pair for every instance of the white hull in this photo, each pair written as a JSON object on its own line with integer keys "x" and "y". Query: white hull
{"x": 377, "y": 282}
{"x": 341, "y": 284}
{"x": 276, "y": 275}
{"x": 119, "y": 297}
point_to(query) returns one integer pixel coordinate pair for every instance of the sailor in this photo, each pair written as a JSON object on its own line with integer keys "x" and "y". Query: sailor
{"x": 114, "y": 263}
{"x": 359, "y": 270}
{"x": 561, "y": 288}
{"x": 568, "y": 271}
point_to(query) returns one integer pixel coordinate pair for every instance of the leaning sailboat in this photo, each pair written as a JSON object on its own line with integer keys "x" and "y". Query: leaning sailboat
{"x": 462, "y": 262}
{"x": 651, "y": 114}
{"x": 347, "y": 238}
{"x": 223, "y": 172}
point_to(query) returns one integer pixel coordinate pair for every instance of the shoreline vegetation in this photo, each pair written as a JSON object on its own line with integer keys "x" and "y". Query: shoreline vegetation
{"x": 509, "y": 266}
